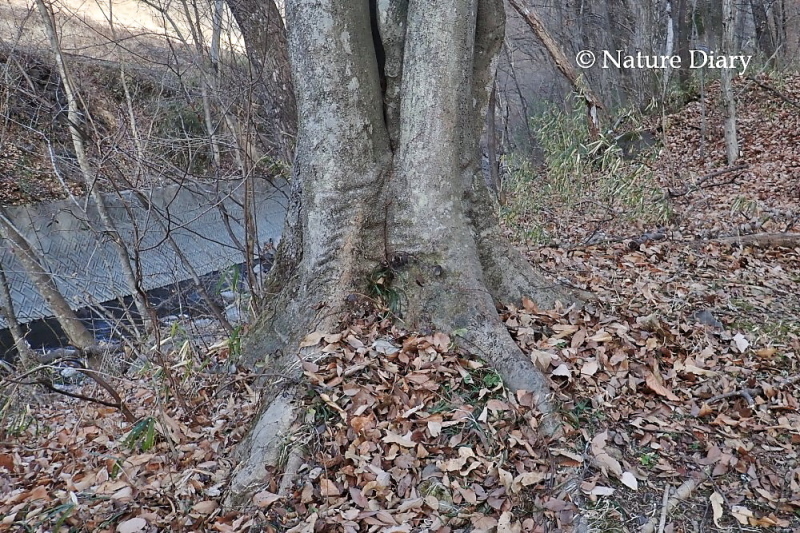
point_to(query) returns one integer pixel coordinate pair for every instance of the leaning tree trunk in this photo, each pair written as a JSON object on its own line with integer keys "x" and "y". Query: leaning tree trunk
{"x": 74, "y": 329}
{"x": 26, "y": 357}
{"x": 74, "y": 117}
{"x": 387, "y": 175}
{"x": 564, "y": 65}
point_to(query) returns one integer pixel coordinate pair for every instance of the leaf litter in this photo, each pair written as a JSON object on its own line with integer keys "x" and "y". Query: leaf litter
{"x": 677, "y": 386}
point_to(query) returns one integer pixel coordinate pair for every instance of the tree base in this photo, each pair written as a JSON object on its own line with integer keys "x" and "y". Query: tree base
{"x": 400, "y": 428}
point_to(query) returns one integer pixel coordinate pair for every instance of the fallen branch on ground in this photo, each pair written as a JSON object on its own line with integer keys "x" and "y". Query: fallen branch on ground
{"x": 682, "y": 493}
{"x": 118, "y": 403}
{"x": 748, "y": 394}
{"x": 762, "y": 240}
{"x": 700, "y": 184}
{"x": 774, "y": 91}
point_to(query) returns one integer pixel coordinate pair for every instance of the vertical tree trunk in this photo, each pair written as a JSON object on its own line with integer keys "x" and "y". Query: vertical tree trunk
{"x": 683, "y": 35}
{"x": 267, "y": 49}
{"x": 491, "y": 147}
{"x": 764, "y": 37}
{"x": 668, "y": 51}
{"x": 728, "y": 27}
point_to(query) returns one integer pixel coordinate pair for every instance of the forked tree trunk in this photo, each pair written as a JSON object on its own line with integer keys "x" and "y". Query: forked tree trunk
{"x": 387, "y": 175}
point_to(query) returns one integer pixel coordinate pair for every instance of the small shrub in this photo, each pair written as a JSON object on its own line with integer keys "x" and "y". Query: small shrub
{"x": 578, "y": 182}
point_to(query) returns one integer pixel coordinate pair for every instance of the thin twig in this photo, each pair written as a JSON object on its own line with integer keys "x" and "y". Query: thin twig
{"x": 664, "y": 502}
{"x": 700, "y": 184}
{"x": 682, "y": 493}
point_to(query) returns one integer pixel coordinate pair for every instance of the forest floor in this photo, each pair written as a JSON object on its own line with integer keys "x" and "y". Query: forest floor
{"x": 678, "y": 387}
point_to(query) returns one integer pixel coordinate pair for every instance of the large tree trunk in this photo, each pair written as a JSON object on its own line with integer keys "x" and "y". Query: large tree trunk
{"x": 387, "y": 175}
{"x": 265, "y": 39}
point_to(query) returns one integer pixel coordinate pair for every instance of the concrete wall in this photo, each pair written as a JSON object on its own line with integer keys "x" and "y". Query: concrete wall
{"x": 84, "y": 263}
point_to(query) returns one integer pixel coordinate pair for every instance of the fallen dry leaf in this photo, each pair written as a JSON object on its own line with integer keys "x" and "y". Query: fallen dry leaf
{"x": 716, "y": 505}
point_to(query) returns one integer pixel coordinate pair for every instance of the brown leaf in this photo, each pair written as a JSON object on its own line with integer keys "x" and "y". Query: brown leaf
{"x": 484, "y": 523}
{"x": 359, "y": 498}
{"x": 133, "y": 525}
{"x": 655, "y": 385}
{"x": 208, "y": 506}
{"x": 601, "y": 336}
{"x": 7, "y": 462}
{"x": 312, "y": 339}
{"x": 38, "y": 493}
{"x": 589, "y": 368}
{"x": 328, "y": 488}
{"x": 265, "y": 499}
{"x": 361, "y": 424}
{"x": 404, "y": 441}
{"x": 541, "y": 359}
{"x": 716, "y": 505}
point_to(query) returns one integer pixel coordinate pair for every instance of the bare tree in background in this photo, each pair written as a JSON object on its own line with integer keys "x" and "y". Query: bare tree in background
{"x": 140, "y": 149}
{"x": 264, "y": 35}
{"x": 76, "y": 117}
{"x": 728, "y": 48}
{"x": 593, "y": 103}
{"x": 764, "y": 36}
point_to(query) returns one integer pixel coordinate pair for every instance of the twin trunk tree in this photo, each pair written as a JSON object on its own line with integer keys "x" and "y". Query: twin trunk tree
{"x": 387, "y": 176}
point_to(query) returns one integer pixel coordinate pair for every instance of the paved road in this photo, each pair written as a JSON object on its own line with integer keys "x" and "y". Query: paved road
{"x": 84, "y": 263}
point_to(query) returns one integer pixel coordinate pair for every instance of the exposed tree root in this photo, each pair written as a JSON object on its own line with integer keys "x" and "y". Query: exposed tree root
{"x": 507, "y": 274}
{"x": 263, "y": 446}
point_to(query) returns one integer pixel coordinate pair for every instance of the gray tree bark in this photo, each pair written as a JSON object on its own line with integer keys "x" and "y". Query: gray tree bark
{"x": 387, "y": 175}
{"x": 267, "y": 49}
{"x": 26, "y": 358}
{"x": 726, "y": 78}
